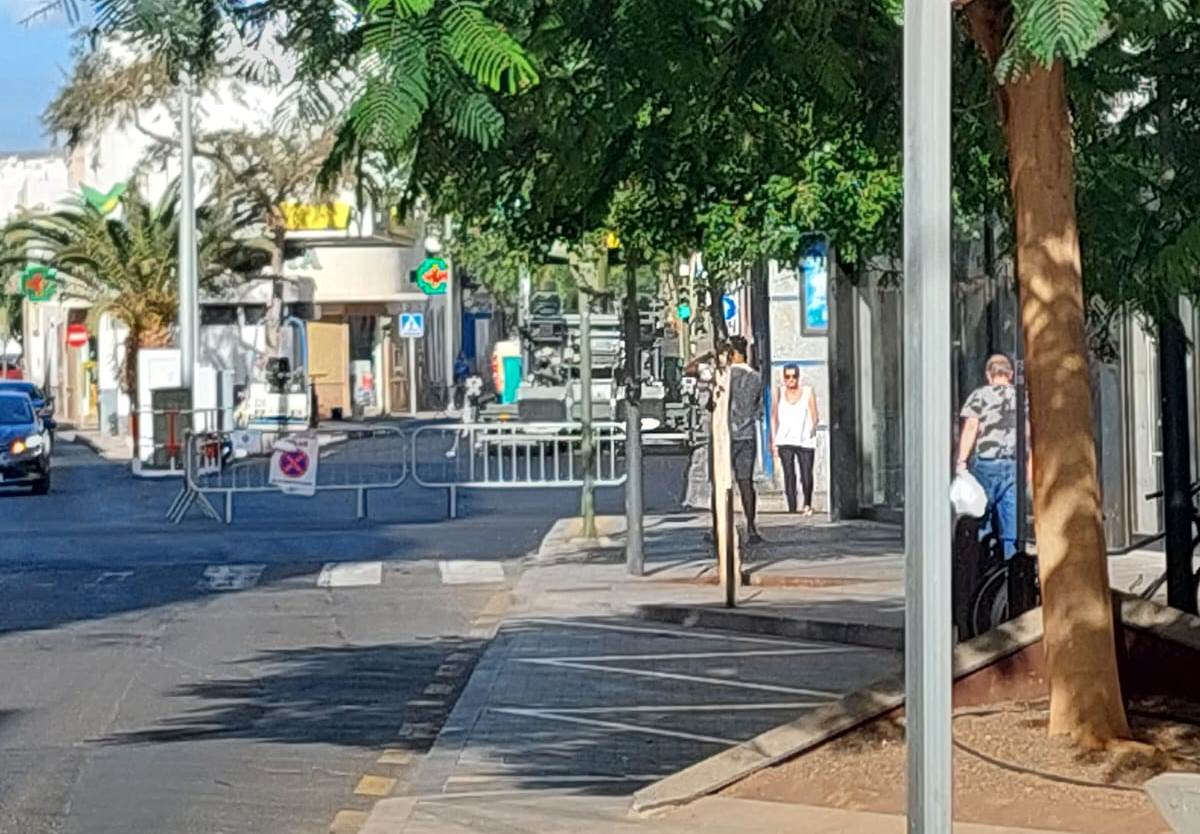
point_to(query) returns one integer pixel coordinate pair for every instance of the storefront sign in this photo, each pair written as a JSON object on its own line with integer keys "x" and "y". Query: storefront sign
{"x": 433, "y": 276}
{"x": 814, "y": 267}
{"x": 39, "y": 283}
{"x": 105, "y": 203}
{"x": 315, "y": 217}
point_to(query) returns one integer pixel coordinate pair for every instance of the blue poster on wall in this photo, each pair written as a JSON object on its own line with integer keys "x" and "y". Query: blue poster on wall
{"x": 814, "y": 267}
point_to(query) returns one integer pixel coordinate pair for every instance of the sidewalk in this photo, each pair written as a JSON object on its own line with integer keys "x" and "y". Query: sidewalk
{"x": 580, "y": 700}
{"x": 107, "y": 446}
{"x": 590, "y": 815}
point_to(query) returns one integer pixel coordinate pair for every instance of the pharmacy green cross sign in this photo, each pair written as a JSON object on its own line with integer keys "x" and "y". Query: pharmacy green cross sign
{"x": 433, "y": 276}
{"x": 39, "y": 283}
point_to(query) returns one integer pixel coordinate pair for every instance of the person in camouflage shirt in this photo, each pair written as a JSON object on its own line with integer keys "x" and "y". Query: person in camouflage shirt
{"x": 989, "y": 430}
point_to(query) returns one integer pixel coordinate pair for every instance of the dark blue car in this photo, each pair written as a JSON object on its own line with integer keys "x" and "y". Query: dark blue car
{"x": 24, "y": 444}
{"x": 42, "y": 404}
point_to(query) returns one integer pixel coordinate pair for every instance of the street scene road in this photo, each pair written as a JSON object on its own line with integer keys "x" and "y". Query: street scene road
{"x": 542, "y": 417}
{"x": 206, "y": 678}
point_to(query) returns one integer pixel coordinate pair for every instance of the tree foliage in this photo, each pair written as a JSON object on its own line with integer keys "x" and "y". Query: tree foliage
{"x": 126, "y": 263}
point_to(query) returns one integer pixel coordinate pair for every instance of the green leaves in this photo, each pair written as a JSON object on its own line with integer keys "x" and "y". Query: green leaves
{"x": 485, "y": 50}
{"x": 1052, "y": 29}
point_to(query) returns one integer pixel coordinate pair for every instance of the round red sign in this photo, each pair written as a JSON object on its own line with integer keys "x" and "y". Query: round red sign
{"x": 77, "y": 335}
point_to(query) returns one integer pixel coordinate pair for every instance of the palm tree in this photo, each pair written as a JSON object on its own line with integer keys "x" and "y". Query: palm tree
{"x": 124, "y": 263}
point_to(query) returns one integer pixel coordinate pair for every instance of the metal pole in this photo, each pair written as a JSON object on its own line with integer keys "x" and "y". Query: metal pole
{"x": 635, "y": 563}
{"x": 1176, "y": 463}
{"x": 412, "y": 377}
{"x": 450, "y": 317}
{"x": 927, "y": 413}
{"x": 188, "y": 293}
{"x": 587, "y": 499}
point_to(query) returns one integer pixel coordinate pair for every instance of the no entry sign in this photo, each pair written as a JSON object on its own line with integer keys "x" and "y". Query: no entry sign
{"x": 77, "y": 335}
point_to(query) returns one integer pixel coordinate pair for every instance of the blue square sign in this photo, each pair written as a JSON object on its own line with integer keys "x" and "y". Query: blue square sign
{"x": 412, "y": 325}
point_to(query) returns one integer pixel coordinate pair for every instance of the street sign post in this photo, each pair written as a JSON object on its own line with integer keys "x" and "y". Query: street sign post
{"x": 77, "y": 335}
{"x": 927, "y": 413}
{"x": 412, "y": 327}
{"x": 294, "y": 464}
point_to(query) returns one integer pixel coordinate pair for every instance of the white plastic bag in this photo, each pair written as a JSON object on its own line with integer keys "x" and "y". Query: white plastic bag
{"x": 968, "y": 496}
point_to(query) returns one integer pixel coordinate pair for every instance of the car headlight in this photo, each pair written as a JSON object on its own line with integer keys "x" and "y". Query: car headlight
{"x": 26, "y": 444}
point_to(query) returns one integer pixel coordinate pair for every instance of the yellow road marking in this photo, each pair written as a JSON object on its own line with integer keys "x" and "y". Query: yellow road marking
{"x": 348, "y": 822}
{"x": 395, "y": 757}
{"x": 372, "y": 785}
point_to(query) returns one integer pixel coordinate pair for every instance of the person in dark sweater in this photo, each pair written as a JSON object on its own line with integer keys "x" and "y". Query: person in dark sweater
{"x": 745, "y": 404}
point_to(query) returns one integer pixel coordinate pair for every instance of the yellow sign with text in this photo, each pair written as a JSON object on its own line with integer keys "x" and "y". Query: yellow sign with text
{"x": 315, "y": 217}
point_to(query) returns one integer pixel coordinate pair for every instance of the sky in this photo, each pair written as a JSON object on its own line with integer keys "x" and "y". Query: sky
{"x": 34, "y": 59}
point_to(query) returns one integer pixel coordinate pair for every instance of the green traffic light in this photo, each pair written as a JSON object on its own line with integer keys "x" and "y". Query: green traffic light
{"x": 684, "y": 310}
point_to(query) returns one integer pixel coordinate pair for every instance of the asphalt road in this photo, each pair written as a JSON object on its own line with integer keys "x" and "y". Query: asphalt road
{"x": 215, "y": 679}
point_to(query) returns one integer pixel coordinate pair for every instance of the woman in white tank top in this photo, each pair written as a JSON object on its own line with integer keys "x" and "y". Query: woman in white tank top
{"x": 794, "y": 420}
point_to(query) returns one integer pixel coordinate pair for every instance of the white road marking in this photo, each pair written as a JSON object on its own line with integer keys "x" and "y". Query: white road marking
{"x": 691, "y": 634}
{"x": 654, "y": 708}
{"x": 704, "y": 655}
{"x": 350, "y": 574}
{"x": 110, "y": 577}
{"x": 470, "y": 572}
{"x": 231, "y": 577}
{"x": 551, "y": 715}
{"x": 677, "y": 676}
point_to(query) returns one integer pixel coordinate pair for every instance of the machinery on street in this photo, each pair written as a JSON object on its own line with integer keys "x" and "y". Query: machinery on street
{"x": 546, "y": 358}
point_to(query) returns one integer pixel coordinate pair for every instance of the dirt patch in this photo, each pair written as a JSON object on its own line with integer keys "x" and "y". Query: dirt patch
{"x": 1006, "y": 770}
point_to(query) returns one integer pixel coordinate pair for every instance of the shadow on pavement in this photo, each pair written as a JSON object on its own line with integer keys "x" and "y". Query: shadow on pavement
{"x": 600, "y": 705}
{"x": 345, "y": 696}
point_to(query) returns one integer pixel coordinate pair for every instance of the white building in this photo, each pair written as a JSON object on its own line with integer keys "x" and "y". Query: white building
{"x": 352, "y": 269}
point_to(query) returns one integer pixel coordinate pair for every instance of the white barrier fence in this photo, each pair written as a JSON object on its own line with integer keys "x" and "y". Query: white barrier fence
{"x": 219, "y": 465}
{"x": 224, "y": 464}
{"x": 514, "y": 456}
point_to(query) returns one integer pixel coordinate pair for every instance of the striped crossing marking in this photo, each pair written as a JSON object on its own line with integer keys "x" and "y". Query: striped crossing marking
{"x": 470, "y": 572}
{"x": 350, "y": 574}
{"x": 231, "y": 577}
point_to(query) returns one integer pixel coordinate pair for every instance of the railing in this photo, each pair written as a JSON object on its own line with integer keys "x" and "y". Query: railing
{"x": 160, "y": 435}
{"x": 224, "y": 464}
{"x": 514, "y": 455}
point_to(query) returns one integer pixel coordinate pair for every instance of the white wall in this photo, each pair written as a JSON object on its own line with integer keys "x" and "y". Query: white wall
{"x": 811, "y": 353}
{"x": 360, "y": 274}
{"x": 30, "y": 182}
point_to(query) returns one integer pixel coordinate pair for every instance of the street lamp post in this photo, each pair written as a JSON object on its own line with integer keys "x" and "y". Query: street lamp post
{"x": 189, "y": 302}
{"x": 927, "y": 413}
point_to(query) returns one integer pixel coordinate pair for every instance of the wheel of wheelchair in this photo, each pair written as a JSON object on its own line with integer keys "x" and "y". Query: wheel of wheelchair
{"x": 989, "y": 605}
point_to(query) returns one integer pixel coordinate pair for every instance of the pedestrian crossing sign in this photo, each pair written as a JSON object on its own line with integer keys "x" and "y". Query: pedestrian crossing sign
{"x": 412, "y": 325}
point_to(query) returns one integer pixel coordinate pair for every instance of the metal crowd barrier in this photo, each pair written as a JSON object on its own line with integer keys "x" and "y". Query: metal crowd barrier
{"x": 224, "y": 464}
{"x": 514, "y": 455}
{"x": 160, "y": 435}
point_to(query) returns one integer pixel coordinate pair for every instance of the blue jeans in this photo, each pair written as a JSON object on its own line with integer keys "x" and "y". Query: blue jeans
{"x": 998, "y": 477}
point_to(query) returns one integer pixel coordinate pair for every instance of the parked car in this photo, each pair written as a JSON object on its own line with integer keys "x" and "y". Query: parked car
{"x": 42, "y": 404}
{"x": 24, "y": 444}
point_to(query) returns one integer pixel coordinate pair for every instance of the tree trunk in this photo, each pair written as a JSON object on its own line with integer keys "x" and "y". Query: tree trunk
{"x": 274, "y": 318}
{"x": 1079, "y": 641}
{"x": 133, "y": 341}
{"x": 720, "y": 458}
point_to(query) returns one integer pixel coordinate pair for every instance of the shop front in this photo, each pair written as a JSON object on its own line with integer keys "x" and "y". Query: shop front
{"x": 867, "y": 391}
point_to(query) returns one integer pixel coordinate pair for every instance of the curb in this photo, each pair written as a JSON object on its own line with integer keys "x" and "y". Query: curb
{"x": 74, "y": 436}
{"x": 871, "y": 635}
{"x": 820, "y": 725}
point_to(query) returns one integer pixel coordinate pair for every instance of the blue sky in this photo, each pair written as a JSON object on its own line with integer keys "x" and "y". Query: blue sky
{"x": 33, "y": 60}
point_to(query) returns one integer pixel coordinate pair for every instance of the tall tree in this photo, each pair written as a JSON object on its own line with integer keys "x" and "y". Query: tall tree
{"x": 125, "y": 263}
{"x": 1029, "y": 45}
